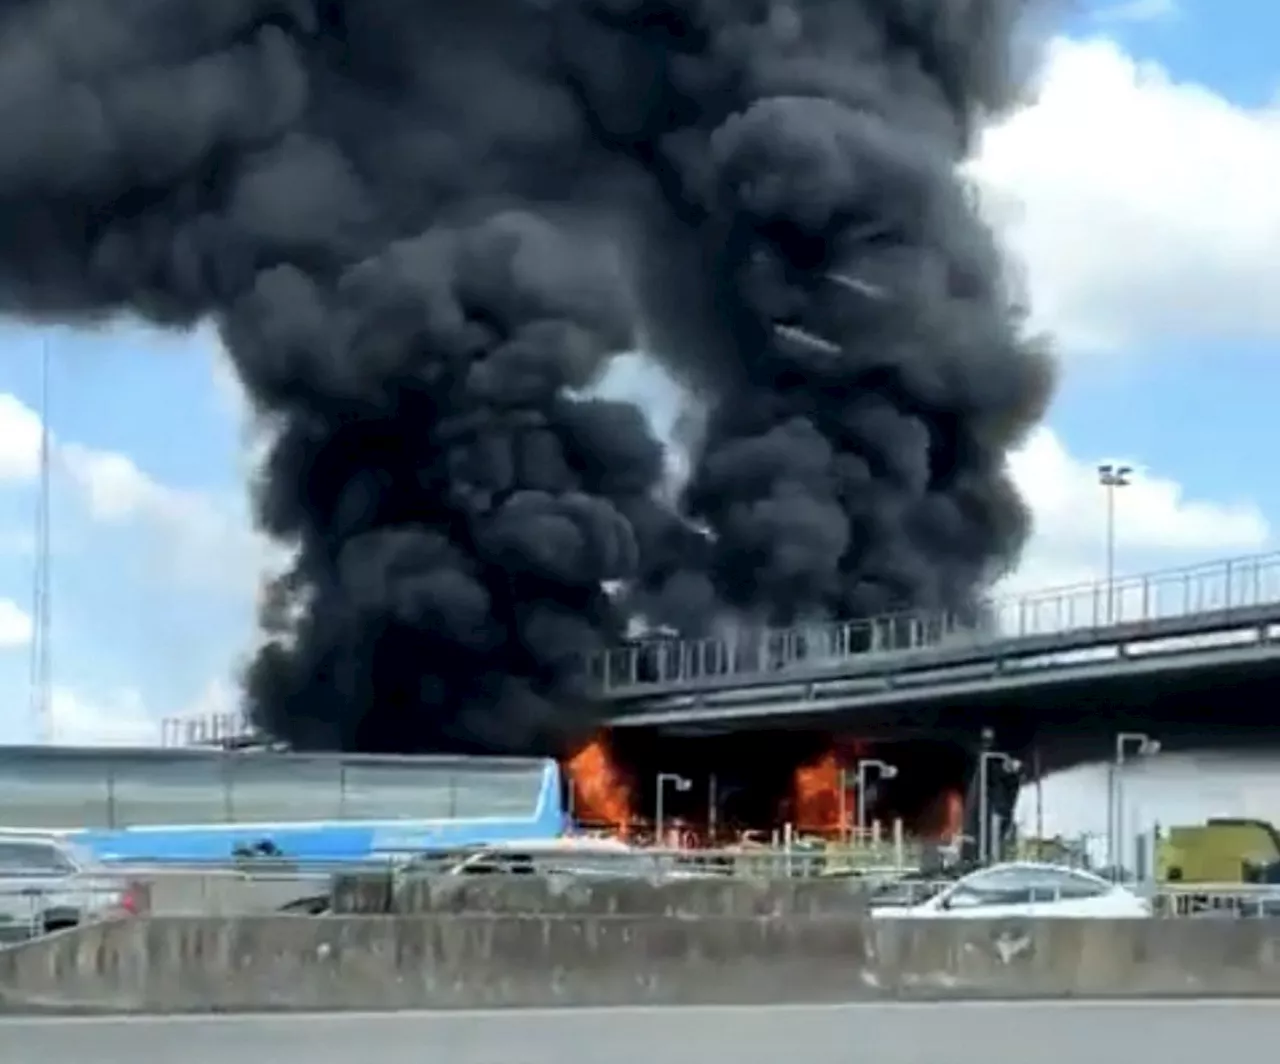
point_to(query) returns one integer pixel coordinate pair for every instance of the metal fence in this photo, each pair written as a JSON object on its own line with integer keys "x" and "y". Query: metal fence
{"x": 1222, "y": 900}
{"x": 1221, "y": 588}
{"x": 831, "y": 859}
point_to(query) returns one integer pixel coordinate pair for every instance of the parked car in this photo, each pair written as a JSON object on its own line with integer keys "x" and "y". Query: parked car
{"x": 1023, "y": 889}
{"x": 605, "y": 858}
{"x": 49, "y": 884}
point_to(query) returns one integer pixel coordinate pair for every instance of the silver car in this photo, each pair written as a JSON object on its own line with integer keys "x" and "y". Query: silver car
{"x": 48, "y": 884}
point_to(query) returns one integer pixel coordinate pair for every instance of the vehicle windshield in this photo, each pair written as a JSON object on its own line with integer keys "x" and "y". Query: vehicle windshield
{"x": 34, "y": 857}
{"x": 573, "y": 862}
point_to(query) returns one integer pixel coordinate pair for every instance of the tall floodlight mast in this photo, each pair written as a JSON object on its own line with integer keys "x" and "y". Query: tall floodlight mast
{"x": 40, "y": 676}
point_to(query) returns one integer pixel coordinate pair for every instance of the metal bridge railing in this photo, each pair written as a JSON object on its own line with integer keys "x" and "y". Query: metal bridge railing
{"x": 1221, "y": 588}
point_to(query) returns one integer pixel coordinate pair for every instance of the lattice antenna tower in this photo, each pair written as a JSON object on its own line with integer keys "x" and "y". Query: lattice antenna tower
{"x": 41, "y": 678}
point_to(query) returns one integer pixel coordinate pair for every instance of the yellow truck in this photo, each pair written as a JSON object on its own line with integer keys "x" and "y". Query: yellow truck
{"x": 1223, "y": 850}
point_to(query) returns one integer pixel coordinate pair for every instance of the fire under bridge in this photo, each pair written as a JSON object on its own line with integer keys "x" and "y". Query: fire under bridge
{"x": 1188, "y": 655}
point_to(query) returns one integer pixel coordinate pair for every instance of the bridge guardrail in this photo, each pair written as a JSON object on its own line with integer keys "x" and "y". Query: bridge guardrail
{"x": 1221, "y": 588}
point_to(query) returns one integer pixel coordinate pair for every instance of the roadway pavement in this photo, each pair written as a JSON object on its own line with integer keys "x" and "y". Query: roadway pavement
{"x": 1049, "y": 1033}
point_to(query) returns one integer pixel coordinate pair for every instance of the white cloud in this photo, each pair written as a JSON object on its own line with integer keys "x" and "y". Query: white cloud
{"x": 1143, "y": 208}
{"x": 123, "y": 718}
{"x": 203, "y": 539}
{"x": 117, "y": 718}
{"x": 1155, "y": 521}
{"x": 200, "y": 539}
{"x": 19, "y": 440}
{"x": 256, "y": 434}
{"x": 16, "y": 628}
{"x": 230, "y": 393}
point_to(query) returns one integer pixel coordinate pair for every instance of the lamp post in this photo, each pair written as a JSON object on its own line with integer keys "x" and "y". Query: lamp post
{"x": 866, "y": 767}
{"x": 1128, "y": 746}
{"x": 680, "y": 784}
{"x": 1009, "y": 764}
{"x": 1112, "y": 477}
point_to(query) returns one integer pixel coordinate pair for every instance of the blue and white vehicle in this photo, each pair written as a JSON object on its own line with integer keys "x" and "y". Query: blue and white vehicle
{"x": 191, "y": 806}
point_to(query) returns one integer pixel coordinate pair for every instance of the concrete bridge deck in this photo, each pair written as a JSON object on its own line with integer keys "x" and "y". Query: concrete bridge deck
{"x": 1219, "y": 605}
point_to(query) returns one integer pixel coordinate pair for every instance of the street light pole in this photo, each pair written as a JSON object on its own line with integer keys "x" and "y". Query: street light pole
{"x": 1009, "y": 764}
{"x": 1140, "y": 745}
{"x": 681, "y": 785}
{"x": 866, "y": 766}
{"x": 1112, "y": 477}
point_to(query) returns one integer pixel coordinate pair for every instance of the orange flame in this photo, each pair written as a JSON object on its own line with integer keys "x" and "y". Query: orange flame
{"x": 601, "y": 793}
{"x": 816, "y": 793}
{"x": 953, "y": 826}
{"x": 945, "y": 818}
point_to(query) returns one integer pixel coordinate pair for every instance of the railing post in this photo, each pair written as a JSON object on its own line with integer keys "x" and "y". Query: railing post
{"x": 226, "y": 776}
{"x": 1226, "y": 591}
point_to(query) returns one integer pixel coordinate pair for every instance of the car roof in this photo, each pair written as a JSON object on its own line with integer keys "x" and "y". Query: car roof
{"x": 34, "y": 838}
{"x": 1041, "y": 866}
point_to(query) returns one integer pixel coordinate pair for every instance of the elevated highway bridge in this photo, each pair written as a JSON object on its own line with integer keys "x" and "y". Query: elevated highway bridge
{"x": 1191, "y": 656}
{"x": 1195, "y": 650}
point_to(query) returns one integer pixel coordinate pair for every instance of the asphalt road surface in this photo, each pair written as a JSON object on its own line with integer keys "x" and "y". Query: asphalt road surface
{"x": 1055, "y": 1033}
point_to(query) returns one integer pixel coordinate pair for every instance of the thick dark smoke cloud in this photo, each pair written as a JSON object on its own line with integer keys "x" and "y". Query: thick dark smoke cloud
{"x": 424, "y": 230}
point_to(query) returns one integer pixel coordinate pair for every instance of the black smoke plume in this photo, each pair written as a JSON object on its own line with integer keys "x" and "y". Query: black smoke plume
{"x": 424, "y": 230}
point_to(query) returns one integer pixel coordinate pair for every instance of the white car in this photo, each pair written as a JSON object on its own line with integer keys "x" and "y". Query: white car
{"x": 539, "y": 856}
{"x": 49, "y": 884}
{"x": 604, "y": 858}
{"x": 1023, "y": 889}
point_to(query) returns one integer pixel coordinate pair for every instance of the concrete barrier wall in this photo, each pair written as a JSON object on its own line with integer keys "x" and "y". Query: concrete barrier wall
{"x": 200, "y": 893}
{"x": 578, "y": 895}
{"x": 226, "y": 894}
{"x": 280, "y": 962}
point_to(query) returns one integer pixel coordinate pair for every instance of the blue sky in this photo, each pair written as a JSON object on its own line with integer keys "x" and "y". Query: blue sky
{"x": 1148, "y": 401}
{"x": 1138, "y": 193}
